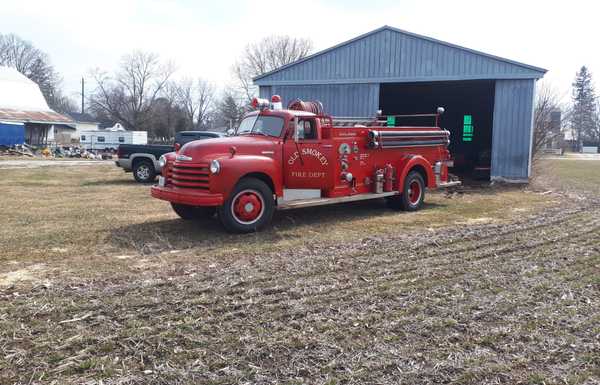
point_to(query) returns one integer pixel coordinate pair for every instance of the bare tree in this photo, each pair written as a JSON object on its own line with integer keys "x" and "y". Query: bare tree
{"x": 130, "y": 94}
{"x": 545, "y": 130}
{"x": 197, "y": 101}
{"x": 266, "y": 55}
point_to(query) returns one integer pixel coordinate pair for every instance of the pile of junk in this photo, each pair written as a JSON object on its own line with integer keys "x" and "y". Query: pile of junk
{"x": 25, "y": 150}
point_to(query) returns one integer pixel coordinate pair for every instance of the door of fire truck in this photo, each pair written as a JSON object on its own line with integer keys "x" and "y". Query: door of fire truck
{"x": 307, "y": 159}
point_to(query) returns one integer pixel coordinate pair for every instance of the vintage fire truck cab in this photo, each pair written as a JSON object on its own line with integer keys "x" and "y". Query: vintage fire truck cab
{"x": 299, "y": 157}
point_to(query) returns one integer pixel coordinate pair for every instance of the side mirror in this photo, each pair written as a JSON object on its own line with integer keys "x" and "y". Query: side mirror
{"x": 230, "y": 132}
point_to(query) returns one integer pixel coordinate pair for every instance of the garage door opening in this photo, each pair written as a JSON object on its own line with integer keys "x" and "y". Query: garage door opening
{"x": 469, "y": 112}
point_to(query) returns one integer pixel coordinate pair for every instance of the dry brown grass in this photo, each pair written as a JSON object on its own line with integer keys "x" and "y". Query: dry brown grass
{"x": 489, "y": 286}
{"x": 76, "y": 217}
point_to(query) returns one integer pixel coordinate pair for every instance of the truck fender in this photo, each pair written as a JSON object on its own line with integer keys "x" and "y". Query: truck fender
{"x": 150, "y": 157}
{"x": 408, "y": 163}
{"x": 235, "y": 168}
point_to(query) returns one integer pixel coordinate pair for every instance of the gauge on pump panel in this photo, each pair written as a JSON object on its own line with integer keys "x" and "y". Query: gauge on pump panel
{"x": 344, "y": 149}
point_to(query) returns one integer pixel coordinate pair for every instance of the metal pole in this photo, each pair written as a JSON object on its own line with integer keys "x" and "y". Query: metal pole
{"x": 82, "y": 95}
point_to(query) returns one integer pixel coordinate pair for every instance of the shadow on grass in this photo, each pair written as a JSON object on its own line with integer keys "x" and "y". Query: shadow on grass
{"x": 176, "y": 233}
{"x": 112, "y": 182}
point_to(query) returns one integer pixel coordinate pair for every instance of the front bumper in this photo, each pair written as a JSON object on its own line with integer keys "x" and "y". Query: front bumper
{"x": 186, "y": 196}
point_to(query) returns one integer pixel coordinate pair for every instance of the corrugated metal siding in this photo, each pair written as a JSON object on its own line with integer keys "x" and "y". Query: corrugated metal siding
{"x": 392, "y": 56}
{"x": 511, "y": 137}
{"x": 338, "y": 99}
{"x": 265, "y": 92}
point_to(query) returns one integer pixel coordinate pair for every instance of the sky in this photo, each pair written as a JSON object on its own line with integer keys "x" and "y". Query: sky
{"x": 203, "y": 38}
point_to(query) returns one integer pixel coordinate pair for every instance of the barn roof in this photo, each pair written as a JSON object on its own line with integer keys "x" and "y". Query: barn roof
{"x": 389, "y": 54}
{"x": 22, "y": 101}
{"x": 44, "y": 117}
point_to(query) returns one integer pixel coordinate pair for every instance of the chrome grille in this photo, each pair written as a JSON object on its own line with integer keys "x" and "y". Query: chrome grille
{"x": 188, "y": 175}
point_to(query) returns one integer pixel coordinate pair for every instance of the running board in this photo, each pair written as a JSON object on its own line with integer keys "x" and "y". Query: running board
{"x": 327, "y": 201}
{"x": 449, "y": 184}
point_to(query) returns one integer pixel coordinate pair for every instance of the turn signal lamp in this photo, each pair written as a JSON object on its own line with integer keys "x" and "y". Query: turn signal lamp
{"x": 260, "y": 103}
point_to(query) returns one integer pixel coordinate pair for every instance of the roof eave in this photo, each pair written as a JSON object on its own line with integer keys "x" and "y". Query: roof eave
{"x": 542, "y": 71}
{"x": 267, "y": 82}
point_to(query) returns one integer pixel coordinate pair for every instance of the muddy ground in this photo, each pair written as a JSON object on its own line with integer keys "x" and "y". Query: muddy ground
{"x": 484, "y": 286}
{"x": 515, "y": 303}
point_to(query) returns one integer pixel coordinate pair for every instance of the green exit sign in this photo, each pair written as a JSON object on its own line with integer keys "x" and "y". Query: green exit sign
{"x": 467, "y": 128}
{"x": 391, "y": 121}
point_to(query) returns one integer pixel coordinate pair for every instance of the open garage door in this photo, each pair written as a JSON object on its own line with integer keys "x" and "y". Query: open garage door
{"x": 469, "y": 112}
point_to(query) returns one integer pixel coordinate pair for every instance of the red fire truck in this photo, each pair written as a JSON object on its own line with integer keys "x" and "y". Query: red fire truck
{"x": 281, "y": 159}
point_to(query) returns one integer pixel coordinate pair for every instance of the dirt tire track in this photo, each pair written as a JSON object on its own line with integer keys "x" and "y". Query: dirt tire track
{"x": 497, "y": 303}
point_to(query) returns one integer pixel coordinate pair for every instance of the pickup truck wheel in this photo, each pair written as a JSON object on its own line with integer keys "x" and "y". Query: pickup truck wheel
{"x": 412, "y": 196}
{"x": 249, "y": 208}
{"x": 191, "y": 212}
{"x": 143, "y": 171}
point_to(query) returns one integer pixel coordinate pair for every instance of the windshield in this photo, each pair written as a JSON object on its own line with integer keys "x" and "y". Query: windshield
{"x": 261, "y": 125}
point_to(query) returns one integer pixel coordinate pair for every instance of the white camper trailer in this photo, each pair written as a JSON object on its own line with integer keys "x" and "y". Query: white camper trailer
{"x": 109, "y": 139}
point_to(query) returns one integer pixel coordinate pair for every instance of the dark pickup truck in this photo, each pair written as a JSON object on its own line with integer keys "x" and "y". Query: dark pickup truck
{"x": 142, "y": 159}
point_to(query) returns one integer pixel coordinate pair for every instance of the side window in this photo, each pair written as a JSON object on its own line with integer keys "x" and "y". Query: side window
{"x": 83, "y": 137}
{"x": 101, "y": 139}
{"x": 121, "y": 139}
{"x": 308, "y": 129}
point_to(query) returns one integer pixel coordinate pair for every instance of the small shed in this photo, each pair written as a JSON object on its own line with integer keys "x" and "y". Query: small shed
{"x": 11, "y": 133}
{"x": 488, "y": 99}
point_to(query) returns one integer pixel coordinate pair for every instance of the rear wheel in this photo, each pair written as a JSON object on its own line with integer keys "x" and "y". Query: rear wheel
{"x": 413, "y": 193}
{"x": 192, "y": 212}
{"x": 249, "y": 208}
{"x": 143, "y": 171}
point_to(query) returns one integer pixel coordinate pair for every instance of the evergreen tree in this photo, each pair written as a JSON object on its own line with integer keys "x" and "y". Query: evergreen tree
{"x": 230, "y": 111}
{"x": 583, "y": 118}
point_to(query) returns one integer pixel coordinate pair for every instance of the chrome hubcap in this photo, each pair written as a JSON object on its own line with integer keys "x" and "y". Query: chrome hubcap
{"x": 143, "y": 172}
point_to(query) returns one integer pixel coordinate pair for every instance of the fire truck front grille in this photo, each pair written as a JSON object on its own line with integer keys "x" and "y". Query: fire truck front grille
{"x": 189, "y": 175}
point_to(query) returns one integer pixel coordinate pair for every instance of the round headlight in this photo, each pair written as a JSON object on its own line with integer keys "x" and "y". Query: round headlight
{"x": 215, "y": 167}
{"x": 162, "y": 161}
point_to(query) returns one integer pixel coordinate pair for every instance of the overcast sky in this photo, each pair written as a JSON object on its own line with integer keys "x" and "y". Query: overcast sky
{"x": 204, "y": 37}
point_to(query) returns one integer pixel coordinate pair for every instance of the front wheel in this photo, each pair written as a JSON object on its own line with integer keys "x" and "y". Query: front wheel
{"x": 249, "y": 208}
{"x": 143, "y": 171}
{"x": 412, "y": 195}
{"x": 191, "y": 212}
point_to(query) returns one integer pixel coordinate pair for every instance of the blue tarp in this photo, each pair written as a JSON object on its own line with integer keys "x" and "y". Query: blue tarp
{"x": 12, "y": 133}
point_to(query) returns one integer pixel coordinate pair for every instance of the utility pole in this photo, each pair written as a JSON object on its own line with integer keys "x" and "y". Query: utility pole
{"x": 82, "y": 95}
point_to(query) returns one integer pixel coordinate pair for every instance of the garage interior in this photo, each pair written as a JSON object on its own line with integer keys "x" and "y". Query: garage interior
{"x": 469, "y": 109}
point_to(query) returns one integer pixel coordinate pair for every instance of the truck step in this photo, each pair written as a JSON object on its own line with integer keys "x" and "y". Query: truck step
{"x": 295, "y": 204}
{"x": 449, "y": 184}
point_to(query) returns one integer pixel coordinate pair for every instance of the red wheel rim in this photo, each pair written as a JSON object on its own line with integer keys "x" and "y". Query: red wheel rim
{"x": 414, "y": 192}
{"x": 247, "y": 206}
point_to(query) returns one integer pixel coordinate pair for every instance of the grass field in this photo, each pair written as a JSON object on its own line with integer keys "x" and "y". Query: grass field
{"x": 101, "y": 284}
{"x": 77, "y": 216}
{"x": 581, "y": 176}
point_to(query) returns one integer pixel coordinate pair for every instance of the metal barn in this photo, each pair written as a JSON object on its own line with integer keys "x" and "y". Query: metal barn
{"x": 488, "y": 99}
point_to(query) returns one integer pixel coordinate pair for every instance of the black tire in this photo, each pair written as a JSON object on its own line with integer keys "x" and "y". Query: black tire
{"x": 407, "y": 200}
{"x": 191, "y": 212}
{"x": 254, "y": 192}
{"x": 143, "y": 171}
